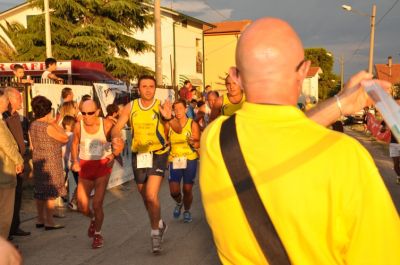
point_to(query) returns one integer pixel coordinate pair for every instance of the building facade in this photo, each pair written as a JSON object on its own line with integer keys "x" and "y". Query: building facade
{"x": 182, "y": 43}
{"x": 220, "y": 47}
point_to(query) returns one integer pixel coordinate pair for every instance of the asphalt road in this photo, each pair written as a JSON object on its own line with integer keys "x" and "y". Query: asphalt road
{"x": 126, "y": 227}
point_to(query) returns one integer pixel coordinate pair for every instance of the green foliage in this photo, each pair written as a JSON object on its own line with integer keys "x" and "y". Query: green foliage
{"x": 329, "y": 83}
{"x": 87, "y": 30}
{"x": 396, "y": 91}
{"x": 7, "y": 52}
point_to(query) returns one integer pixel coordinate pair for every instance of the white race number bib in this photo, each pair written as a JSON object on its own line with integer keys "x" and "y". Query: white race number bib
{"x": 144, "y": 160}
{"x": 179, "y": 163}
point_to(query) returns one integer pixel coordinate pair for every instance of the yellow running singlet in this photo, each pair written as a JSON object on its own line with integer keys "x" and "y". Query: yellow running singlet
{"x": 228, "y": 108}
{"x": 148, "y": 132}
{"x": 179, "y": 143}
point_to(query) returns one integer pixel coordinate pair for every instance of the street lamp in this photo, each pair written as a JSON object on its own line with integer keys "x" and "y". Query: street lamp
{"x": 372, "y": 33}
{"x": 341, "y": 59}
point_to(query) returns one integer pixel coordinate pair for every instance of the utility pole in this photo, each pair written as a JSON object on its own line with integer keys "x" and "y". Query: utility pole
{"x": 49, "y": 53}
{"x": 157, "y": 39}
{"x": 372, "y": 38}
{"x": 341, "y": 72}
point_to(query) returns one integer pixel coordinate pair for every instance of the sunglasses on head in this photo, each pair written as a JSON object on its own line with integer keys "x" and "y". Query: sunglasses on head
{"x": 90, "y": 113}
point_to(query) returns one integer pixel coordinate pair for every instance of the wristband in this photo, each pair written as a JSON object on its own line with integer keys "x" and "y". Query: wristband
{"x": 165, "y": 119}
{"x": 339, "y": 105}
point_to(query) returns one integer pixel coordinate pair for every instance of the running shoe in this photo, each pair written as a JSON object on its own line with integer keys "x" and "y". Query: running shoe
{"x": 97, "y": 241}
{"x": 91, "y": 229}
{"x": 187, "y": 217}
{"x": 72, "y": 206}
{"x": 156, "y": 244}
{"x": 177, "y": 210}
{"x": 163, "y": 230}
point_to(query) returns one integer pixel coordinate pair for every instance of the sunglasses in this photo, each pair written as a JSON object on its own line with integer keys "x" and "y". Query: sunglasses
{"x": 88, "y": 113}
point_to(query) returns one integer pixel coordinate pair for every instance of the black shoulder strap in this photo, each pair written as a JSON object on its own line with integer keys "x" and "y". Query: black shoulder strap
{"x": 256, "y": 214}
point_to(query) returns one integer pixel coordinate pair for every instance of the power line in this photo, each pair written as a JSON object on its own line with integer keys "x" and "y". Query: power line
{"x": 390, "y": 9}
{"x": 366, "y": 37}
{"x": 215, "y": 10}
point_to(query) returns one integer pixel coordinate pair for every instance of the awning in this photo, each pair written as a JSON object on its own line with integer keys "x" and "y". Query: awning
{"x": 196, "y": 81}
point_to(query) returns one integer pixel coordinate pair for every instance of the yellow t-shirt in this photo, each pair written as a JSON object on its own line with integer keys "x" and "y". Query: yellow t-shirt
{"x": 228, "y": 108}
{"x": 179, "y": 143}
{"x": 148, "y": 131}
{"x": 321, "y": 188}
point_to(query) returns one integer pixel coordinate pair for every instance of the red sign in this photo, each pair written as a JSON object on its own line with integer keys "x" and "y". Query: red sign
{"x": 375, "y": 127}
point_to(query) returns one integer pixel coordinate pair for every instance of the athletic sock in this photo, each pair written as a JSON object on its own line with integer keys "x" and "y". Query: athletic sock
{"x": 155, "y": 232}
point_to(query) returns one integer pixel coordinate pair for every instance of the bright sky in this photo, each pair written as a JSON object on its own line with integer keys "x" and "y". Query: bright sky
{"x": 320, "y": 23}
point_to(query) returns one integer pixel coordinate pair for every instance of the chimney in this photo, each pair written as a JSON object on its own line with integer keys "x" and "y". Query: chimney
{"x": 390, "y": 61}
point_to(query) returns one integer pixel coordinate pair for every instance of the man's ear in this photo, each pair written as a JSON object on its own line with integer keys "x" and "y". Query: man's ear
{"x": 235, "y": 75}
{"x": 304, "y": 69}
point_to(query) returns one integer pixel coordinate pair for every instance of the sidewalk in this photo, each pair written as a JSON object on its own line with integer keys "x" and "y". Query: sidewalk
{"x": 126, "y": 231}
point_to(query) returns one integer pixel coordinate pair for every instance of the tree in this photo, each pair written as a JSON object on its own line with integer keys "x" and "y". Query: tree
{"x": 329, "y": 84}
{"x": 88, "y": 30}
{"x": 7, "y": 51}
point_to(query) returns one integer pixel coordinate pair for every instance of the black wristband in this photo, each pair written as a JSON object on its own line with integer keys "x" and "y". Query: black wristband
{"x": 165, "y": 119}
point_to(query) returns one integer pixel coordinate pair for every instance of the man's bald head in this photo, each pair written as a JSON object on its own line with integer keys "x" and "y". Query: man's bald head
{"x": 89, "y": 105}
{"x": 267, "y": 57}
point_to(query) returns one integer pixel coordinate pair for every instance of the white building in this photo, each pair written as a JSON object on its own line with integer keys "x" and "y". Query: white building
{"x": 310, "y": 84}
{"x": 182, "y": 43}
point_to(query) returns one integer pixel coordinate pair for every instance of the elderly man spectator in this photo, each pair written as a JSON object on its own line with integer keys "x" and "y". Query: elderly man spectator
{"x": 13, "y": 120}
{"x": 11, "y": 163}
{"x": 321, "y": 191}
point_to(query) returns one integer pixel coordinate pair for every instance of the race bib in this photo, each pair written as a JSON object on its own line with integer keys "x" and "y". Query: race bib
{"x": 144, "y": 160}
{"x": 179, "y": 163}
{"x": 94, "y": 147}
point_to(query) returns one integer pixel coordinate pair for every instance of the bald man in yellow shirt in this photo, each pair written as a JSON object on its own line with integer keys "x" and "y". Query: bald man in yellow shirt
{"x": 322, "y": 190}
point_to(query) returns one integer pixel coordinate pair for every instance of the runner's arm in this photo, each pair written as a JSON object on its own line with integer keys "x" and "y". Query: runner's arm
{"x": 168, "y": 119}
{"x": 122, "y": 120}
{"x": 117, "y": 142}
{"x": 75, "y": 144}
{"x": 194, "y": 141}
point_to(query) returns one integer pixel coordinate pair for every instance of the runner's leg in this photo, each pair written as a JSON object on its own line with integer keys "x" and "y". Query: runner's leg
{"x": 85, "y": 186}
{"x": 152, "y": 201}
{"x": 100, "y": 187}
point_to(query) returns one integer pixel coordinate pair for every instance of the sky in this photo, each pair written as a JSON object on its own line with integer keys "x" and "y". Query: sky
{"x": 320, "y": 23}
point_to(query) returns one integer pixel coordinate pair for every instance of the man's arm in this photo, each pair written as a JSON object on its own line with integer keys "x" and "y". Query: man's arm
{"x": 194, "y": 140}
{"x": 117, "y": 142}
{"x": 75, "y": 147}
{"x": 352, "y": 99}
{"x": 55, "y": 78}
{"x": 9, "y": 146}
{"x": 167, "y": 119}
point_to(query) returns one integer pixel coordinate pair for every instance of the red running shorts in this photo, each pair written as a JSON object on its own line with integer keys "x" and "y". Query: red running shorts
{"x": 94, "y": 169}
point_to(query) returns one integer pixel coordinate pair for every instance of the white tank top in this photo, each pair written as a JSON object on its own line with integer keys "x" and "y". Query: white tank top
{"x": 207, "y": 114}
{"x": 94, "y": 146}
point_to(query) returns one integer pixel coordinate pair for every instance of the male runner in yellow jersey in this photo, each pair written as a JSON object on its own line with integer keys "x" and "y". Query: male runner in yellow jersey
{"x": 228, "y": 104}
{"x": 321, "y": 188}
{"x": 149, "y": 121}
